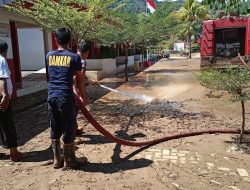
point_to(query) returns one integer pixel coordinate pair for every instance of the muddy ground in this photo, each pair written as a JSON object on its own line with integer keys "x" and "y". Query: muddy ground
{"x": 180, "y": 104}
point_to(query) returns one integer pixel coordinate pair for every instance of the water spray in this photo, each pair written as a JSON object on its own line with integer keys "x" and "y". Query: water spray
{"x": 144, "y": 98}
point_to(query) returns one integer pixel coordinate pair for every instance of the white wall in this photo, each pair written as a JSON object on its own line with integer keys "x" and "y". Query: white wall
{"x": 138, "y": 57}
{"x": 102, "y": 67}
{"x": 94, "y": 64}
{"x": 179, "y": 46}
{"x": 31, "y": 49}
{"x": 109, "y": 67}
{"x": 131, "y": 60}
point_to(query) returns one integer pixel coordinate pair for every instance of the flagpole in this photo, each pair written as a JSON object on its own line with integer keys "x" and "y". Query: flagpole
{"x": 147, "y": 15}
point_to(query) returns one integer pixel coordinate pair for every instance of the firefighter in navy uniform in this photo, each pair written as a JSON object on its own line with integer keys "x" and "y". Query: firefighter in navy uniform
{"x": 63, "y": 65}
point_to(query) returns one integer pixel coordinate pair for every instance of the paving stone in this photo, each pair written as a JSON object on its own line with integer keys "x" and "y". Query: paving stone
{"x": 183, "y": 160}
{"x": 156, "y": 163}
{"x": 183, "y": 152}
{"x": 234, "y": 187}
{"x": 149, "y": 156}
{"x": 247, "y": 179}
{"x": 233, "y": 173}
{"x": 198, "y": 155}
{"x": 173, "y": 175}
{"x": 204, "y": 172}
{"x": 158, "y": 155}
{"x": 154, "y": 150}
{"x": 176, "y": 185}
{"x": 171, "y": 157}
{"x": 174, "y": 150}
{"x": 210, "y": 165}
{"x": 174, "y": 154}
{"x": 224, "y": 169}
{"x": 173, "y": 161}
{"x": 165, "y": 152}
{"x": 138, "y": 156}
{"x": 242, "y": 172}
{"x": 160, "y": 160}
{"x": 194, "y": 162}
{"x": 215, "y": 182}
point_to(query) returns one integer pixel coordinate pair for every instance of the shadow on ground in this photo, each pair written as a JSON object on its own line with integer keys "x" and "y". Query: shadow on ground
{"x": 244, "y": 146}
{"x": 30, "y": 112}
{"x": 109, "y": 168}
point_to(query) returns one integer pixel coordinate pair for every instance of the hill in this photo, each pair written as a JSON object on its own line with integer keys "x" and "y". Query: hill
{"x": 136, "y": 6}
{"x": 139, "y": 6}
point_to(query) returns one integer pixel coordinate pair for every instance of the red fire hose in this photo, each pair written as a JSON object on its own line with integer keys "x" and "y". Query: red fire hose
{"x": 115, "y": 139}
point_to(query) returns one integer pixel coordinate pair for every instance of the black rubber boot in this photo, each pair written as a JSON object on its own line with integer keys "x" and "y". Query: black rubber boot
{"x": 70, "y": 160}
{"x": 56, "y": 147}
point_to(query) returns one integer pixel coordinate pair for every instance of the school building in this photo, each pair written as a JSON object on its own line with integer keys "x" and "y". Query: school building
{"x": 28, "y": 44}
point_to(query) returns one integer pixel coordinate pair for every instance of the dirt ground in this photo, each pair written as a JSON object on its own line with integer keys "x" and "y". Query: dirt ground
{"x": 180, "y": 104}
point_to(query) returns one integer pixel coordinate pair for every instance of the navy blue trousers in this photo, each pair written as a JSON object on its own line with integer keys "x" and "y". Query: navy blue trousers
{"x": 62, "y": 118}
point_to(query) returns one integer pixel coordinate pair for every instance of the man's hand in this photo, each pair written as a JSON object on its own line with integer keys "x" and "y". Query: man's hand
{"x": 92, "y": 82}
{"x": 4, "y": 104}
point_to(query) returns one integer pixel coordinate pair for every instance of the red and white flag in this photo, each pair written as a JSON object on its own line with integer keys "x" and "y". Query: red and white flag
{"x": 151, "y": 6}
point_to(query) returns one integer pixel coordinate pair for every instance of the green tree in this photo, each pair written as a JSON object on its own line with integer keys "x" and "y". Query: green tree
{"x": 241, "y": 7}
{"x": 192, "y": 13}
{"x": 234, "y": 81}
{"x": 122, "y": 33}
{"x": 82, "y": 17}
{"x": 149, "y": 31}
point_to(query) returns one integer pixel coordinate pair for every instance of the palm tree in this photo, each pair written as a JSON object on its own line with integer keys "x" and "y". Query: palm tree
{"x": 192, "y": 13}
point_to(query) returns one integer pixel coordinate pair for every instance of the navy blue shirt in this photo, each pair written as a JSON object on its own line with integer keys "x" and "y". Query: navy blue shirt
{"x": 62, "y": 65}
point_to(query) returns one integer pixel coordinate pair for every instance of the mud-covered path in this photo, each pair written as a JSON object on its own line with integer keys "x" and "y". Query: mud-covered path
{"x": 180, "y": 104}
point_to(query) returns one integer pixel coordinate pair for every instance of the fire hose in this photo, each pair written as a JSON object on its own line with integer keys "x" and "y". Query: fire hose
{"x": 169, "y": 137}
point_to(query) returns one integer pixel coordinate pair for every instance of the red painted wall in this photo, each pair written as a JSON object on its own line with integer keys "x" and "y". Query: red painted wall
{"x": 231, "y": 22}
{"x": 208, "y": 33}
{"x": 207, "y": 43}
{"x": 54, "y": 44}
{"x": 15, "y": 50}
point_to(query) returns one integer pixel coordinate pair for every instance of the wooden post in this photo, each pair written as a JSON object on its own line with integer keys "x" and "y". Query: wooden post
{"x": 126, "y": 63}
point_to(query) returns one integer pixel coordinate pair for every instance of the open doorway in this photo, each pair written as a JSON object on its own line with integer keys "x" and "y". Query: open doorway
{"x": 229, "y": 42}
